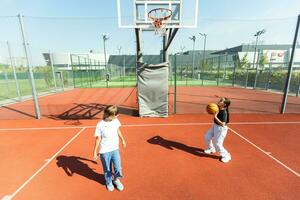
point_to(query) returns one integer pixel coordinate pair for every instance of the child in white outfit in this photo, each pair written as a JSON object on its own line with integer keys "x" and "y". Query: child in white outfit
{"x": 215, "y": 136}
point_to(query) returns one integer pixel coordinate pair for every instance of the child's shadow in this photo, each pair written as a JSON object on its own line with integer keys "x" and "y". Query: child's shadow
{"x": 168, "y": 144}
{"x": 74, "y": 164}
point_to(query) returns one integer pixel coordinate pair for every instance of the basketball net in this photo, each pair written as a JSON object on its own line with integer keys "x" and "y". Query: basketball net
{"x": 159, "y": 27}
{"x": 159, "y": 18}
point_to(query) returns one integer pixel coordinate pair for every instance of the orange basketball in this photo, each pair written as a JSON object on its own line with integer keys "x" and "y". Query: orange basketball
{"x": 212, "y": 108}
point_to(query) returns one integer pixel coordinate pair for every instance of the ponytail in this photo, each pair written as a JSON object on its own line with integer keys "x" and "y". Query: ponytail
{"x": 227, "y": 104}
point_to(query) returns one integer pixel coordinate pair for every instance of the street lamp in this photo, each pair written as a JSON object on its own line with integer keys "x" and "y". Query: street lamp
{"x": 203, "y": 59}
{"x": 193, "y": 38}
{"x": 257, "y": 34}
{"x": 182, "y": 48}
{"x": 105, "y": 37}
{"x": 119, "y": 49}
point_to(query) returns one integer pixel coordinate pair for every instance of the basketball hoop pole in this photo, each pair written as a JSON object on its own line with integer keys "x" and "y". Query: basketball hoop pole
{"x": 139, "y": 55}
{"x": 171, "y": 36}
{"x": 165, "y": 50}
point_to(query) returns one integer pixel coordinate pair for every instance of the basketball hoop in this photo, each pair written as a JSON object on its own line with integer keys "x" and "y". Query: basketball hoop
{"x": 159, "y": 16}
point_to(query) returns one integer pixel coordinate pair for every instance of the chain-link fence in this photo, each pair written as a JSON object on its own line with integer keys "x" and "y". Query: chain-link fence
{"x": 90, "y": 73}
{"x": 15, "y": 82}
{"x": 220, "y": 72}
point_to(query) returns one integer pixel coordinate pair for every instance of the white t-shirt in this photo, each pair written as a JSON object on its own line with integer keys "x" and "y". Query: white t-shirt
{"x": 108, "y": 132}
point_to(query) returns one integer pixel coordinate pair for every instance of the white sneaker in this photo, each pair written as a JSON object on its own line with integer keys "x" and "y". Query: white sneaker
{"x": 110, "y": 187}
{"x": 225, "y": 159}
{"x": 118, "y": 184}
{"x": 209, "y": 151}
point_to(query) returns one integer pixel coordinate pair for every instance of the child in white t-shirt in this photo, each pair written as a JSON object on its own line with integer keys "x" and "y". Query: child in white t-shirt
{"x": 107, "y": 135}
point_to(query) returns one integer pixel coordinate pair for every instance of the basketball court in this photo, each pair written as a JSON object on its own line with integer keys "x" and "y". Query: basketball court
{"x": 163, "y": 125}
{"x": 163, "y": 159}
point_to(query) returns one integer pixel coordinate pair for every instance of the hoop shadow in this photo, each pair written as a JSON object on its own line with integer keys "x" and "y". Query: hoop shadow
{"x": 74, "y": 164}
{"x": 89, "y": 111}
{"x": 169, "y": 144}
{"x": 80, "y": 111}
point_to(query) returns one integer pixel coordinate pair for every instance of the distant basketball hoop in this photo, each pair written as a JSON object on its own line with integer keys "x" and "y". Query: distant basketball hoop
{"x": 280, "y": 54}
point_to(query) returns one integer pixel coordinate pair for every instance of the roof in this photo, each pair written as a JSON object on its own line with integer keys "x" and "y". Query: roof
{"x": 244, "y": 48}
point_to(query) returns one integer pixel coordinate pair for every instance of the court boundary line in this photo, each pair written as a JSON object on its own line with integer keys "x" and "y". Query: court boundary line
{"x": 266, "y": 153}
{"x": 44, "y": 165}
{"x": 141, "y": 125}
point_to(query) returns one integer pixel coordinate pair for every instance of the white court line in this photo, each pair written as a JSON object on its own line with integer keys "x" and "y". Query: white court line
{"x": 141, "y": 125}
{"x": 38, "y": 171}
{"x": 266, "y": 153}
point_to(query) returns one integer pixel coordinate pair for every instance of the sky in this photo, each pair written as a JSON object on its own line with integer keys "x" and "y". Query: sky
{"x": 77, "y": 26}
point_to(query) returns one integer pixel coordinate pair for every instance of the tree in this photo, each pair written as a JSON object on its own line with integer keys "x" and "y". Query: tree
{"x": 244, "y": 63}
{"x": 263, "y": 60}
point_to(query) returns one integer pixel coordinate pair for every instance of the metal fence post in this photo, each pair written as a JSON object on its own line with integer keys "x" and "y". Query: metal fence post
{"x": 31, "y": 77}
{"x": 186, "y": 74}
{"x": 53, "y": 70}
{"x": 170, "y": 76}
{"x": 74, "y": 73}
{"x": 247, "y": 75}
{"x": 218, "y": 76}
{"x": 124, "y": 70}
{"x": 234, "y": 69}
{"x": 270, "y": 73}
{"x": 87, "y": 68}
{"x": 175, "y": 83}
{"x": 62, "y": 79}
{"x": 297, "y": 94}
{"x": 79, "y": 64}
{"x": 15, "y": 74}
{"x": 256, "y": 70}
{"x": 288, "y": 79}
{"x": 7, "y": 84}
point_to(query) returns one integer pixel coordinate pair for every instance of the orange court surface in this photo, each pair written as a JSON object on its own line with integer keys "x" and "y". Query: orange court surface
{"x": 51, "y": 158}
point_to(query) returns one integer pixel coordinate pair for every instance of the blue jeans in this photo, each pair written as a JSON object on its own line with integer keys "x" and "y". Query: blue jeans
{"x": 111, "y": 161}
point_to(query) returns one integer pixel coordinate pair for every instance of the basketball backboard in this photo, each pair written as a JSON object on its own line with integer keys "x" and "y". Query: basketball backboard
{"x": 134, "y": 13}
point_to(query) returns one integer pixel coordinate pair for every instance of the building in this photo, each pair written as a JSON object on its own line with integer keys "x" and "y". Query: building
{"x": 66, "y": 61}
{"x": 17, "y": 61}
{"x": 274, "y": 55}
